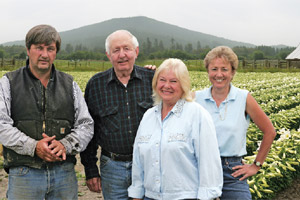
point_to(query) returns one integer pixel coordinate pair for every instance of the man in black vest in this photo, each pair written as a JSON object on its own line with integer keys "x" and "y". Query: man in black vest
{"x": 44, "y": 122}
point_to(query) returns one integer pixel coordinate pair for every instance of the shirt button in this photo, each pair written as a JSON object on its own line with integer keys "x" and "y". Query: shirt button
{"x": 126, "y": 91}
{"x": 157, "y": 144}
{"x": 128, "y": 117}
{"x": 127, "y": 103}
{"x": 130, "y": 131}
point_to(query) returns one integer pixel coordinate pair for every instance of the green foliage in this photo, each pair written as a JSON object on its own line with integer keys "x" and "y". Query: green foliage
{"x": 278, "y": 94}
{"x": 258, "y": 55}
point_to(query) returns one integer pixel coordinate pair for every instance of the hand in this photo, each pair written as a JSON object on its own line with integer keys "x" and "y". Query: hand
{"x": 245, "y": 170}
{"x": 43, "y": 151}
{"x": 57, "y": 148}
{"x": 152, "y": 67}
{"x": 94, "y": 184}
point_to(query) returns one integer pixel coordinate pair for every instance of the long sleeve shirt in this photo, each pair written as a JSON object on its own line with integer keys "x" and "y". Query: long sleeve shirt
{"x": 178, "y": 157}
{"x": 117, "y": 111}
{"x": 14, "y": 139}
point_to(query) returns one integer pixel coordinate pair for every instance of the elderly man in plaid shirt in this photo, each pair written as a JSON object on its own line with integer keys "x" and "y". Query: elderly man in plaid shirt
{"x": 117, "y": 99}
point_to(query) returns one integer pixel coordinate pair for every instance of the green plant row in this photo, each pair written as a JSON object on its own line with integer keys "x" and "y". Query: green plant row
{"x": 280, "y": 167}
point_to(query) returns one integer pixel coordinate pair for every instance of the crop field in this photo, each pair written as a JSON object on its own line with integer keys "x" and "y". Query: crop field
{"x": 278, "y": 94}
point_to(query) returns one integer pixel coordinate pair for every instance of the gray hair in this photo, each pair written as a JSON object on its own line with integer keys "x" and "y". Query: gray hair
{"x": 108, "y": 39}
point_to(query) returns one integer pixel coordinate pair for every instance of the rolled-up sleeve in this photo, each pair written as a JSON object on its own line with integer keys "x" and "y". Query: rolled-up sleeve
{"x": 83, "y": 130}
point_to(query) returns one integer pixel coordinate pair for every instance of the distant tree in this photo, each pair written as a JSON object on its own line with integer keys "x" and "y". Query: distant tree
{"x": 267, "y": 50}
{"x": 172, "y": 43}
{"x": 22, "y": 55}
{"x": 69, "y": 48}
{"x": 80, "y": 47}
{"x": 161, "y": 46}
{"x": 155, "y": 45}
{"x": 283, "y": 54}
{"x": 198, "y": 47}
{"x": 1, "y": 53}
{"x": 179, "y": 46}
{"x": 258, "y": 55}
{"x": 188, "y": 48}
{"x": 148, "y": 46}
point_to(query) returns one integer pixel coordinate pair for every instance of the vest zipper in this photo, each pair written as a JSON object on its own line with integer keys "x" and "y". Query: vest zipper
{"x": 44, "y": 108}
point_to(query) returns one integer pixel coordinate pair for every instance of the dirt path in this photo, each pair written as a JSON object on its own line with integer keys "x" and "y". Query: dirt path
{"x": 83, "y": 191}
{"x": 292, "y": 193}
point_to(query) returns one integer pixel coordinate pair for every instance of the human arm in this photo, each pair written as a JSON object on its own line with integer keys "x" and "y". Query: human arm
{"x": 89, "y": 158}
{"x": 14, "y": 139}
{"x": 265, "y": 125}
{"x": 208, "y": 157}
{"x": 137, "y": 190}
{"x": 10, "y": 136}
{"x": 83, "y": 130}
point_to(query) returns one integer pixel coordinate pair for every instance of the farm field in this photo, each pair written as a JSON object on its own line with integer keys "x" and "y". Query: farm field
{"x": 279, "y": 96}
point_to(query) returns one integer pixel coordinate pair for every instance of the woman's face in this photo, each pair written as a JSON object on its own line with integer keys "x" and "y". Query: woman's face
{"x": 220, "y": 73}
{"x": 168, "y": 87}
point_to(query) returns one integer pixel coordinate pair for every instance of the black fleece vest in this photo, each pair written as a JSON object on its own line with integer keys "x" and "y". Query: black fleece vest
{"x": 36, "y": 110}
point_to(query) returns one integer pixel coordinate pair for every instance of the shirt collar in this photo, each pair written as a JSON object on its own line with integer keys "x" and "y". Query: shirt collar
{"x": 177, "y": 109}
{"x": 134, "y": 74}
{"x": 231, "y": 96}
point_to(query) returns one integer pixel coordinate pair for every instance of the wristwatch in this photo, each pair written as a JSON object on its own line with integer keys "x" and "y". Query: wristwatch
{"x": 257, "y": 163}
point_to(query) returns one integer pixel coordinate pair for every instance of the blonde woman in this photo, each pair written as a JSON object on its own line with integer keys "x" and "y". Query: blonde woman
{"x": 175, "y": 153}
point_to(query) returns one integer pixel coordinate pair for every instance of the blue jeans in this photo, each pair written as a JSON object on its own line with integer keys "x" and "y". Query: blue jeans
{"x": 233, "y": 188}
{"x": 53, "y": 182}
{"x": 115, "y": 178}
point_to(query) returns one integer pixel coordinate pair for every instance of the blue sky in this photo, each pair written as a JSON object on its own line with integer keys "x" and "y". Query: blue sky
{"x": 259, "y": 22}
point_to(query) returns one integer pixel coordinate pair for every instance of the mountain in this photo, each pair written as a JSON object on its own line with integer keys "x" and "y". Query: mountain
{"x": 94, "y": 35}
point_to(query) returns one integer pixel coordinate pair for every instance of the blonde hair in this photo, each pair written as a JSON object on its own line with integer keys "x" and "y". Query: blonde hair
{"x": 182, "y": 74}
{"x": 222, "y": 52}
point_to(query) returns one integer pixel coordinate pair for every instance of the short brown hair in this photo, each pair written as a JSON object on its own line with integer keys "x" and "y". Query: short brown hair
{"x": 222, "y": 52}
{"x": 43, "y": 34}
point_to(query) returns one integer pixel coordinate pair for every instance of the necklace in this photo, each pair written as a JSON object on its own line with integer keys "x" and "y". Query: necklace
{"x": 225, "y": 111}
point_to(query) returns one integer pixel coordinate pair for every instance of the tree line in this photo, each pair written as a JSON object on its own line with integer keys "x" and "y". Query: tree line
{"x": 154, "y": 49}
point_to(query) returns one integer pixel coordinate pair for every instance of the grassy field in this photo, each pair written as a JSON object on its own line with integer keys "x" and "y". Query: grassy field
{"x": 279, "y": 96}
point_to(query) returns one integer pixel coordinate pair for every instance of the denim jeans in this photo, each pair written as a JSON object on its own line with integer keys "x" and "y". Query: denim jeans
{"x": 233, "y": 188}
{"x": 146, "y": 198}
{"x": 115, "y": 178}
{"x": 53, "y": 182}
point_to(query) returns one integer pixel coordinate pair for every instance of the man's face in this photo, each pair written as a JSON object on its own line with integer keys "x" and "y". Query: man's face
{"x": 122, "y": 53}
{"x": 41, "y": 57}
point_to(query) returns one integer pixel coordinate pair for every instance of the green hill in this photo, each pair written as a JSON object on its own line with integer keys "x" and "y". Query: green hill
{"x": 94, "y": 35}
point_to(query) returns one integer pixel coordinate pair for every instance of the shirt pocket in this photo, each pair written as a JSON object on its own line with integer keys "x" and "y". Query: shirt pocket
{"x": 110, "y": 119}
{"x": 60, "y": 128}
{"x": 29, "y": 127}
{"x": 143, "y": 106}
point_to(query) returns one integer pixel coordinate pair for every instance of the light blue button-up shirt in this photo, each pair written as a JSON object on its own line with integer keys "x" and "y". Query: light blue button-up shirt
{"x": 176, "y": 158}
{"x": 229, "y": 118}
